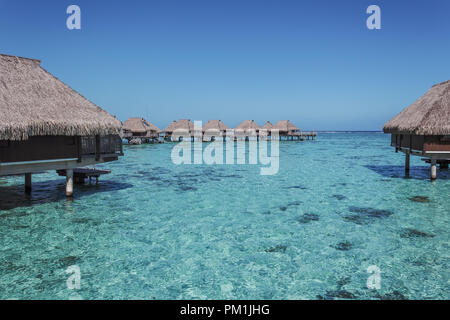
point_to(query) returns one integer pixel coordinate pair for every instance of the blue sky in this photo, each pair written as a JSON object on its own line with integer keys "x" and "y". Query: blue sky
{"x": 313, "y": 62}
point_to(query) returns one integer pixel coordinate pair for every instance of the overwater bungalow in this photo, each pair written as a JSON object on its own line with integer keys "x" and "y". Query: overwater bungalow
{"x": 287, "y": 130}
{"x": 167, "y": 132}
{"x": 266, "y": 130}
{"x": 46, "y": 125}
{"x": 214, "y": 129}
{"x": 423, "y": 129}
{"x": 139, "y": 130}
{"x": 154, "y": 132}
{"x": 246, "y": 130}
{"x": 268, "y": 126}
{"x": 177, "y": 130}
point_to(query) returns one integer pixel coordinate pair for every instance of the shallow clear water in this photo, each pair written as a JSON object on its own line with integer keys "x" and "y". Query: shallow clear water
{"x": 155, "y": 230}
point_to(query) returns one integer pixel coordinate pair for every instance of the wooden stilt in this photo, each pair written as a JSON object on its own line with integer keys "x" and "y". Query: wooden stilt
{"x": 69, "y": 183}
{"x": 407, "y": 162}
{"x": 433, "y": 169}
{"x": 27, "y": 182}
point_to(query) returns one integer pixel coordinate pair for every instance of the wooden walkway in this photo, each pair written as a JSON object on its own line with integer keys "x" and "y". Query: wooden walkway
{"x": 301, "y": 136}
{"x": 308, "y": 135}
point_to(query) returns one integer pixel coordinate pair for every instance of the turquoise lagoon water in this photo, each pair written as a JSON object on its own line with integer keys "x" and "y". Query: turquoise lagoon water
{"x": 154, "y": 230}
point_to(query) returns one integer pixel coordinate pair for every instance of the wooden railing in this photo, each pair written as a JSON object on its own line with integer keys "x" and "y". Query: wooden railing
{"x": 100, "y": 145}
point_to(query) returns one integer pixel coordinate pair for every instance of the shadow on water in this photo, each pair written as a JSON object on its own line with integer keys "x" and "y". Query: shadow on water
{"x": 416, "y": 172}
{"x": 14, "y": 196}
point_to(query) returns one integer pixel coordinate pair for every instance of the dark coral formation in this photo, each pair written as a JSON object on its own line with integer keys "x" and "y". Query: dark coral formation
{"x": 307, "y": 218}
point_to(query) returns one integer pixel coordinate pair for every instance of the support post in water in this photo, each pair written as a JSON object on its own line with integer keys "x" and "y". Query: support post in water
{"x": 69, "y": 183}
{"x": 27, "y": 182}
{"x": 433, "y": 169}
{"x": 407, "y": 162}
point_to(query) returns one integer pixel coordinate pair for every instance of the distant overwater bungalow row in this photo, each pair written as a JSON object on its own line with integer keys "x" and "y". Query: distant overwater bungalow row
{"x": 140, "y": 130}
{"x": 45, "y": 125}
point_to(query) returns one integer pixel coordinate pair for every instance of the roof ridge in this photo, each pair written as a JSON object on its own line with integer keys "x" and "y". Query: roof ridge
{"x": 441, "y": 83}
{"x": 19, "y": 57}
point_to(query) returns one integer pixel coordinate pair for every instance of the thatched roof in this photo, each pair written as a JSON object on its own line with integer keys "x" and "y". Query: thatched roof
{"x": 182, "y": 126}
{"x": 152, "y": 127}
{"x": 267, "y": 126}
{"x": 34, "y": 103}
{"x": 285, "y": 125}
{"x": 215, "y": 127}
{"x": 430, "y": 115}
{"x": 170, "y": 127}
{"x": 247, "y": 128}
{"x": 140, "y": 125}
{"x": 248, "y": 125}
{"x": 135, "y": 125}
{"x": 266, "y": 129}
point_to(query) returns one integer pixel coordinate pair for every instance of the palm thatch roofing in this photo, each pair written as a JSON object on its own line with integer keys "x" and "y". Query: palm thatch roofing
{"x": 267, "y": 126}
{"x": 152, "y": 127}
{"x": 33, "y": 102}
{"x": 266, "y": 129}
{"x": 183, "y": 126}
{"x": 248, "y": 125}
{"x": 140, "y": 125}
{"x": 430, "y": 115}
{"x": 170, "y": 127}
{"x": 247, "y": 128}
{"x": 285, "y": 126}
{"x": 213, "y": 127}
{"x": 137, "y": 125}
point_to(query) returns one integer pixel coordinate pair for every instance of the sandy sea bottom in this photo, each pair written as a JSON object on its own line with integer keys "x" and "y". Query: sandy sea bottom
{"x": 154, "y": 230}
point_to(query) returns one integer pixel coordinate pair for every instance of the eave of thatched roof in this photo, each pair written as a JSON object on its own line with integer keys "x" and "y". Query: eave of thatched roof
{"x": 430, "y": 115}
{"x": 34, "y": 103}
{"x": 285, "y": 125}
{"x": 152, "y": 127}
